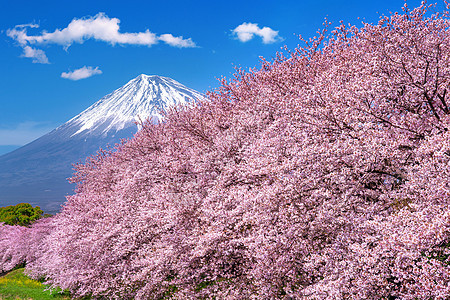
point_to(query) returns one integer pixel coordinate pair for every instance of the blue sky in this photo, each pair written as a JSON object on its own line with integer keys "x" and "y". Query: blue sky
{"x": 59, "y": 57}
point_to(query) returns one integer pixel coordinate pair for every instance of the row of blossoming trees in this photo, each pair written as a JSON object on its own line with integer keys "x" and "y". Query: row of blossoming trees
{"x": 322, "y": 175}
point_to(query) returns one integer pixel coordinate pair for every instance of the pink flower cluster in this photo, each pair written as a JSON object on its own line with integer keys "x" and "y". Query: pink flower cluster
{"x": 20, "y": 244}
{"x": 323, "y": 175}
{"x": 13, "y": 249}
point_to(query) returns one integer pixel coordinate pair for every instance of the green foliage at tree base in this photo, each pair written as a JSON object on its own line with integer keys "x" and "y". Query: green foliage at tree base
{"x": 22, "y": 214}
{"x": 16, "y": 285}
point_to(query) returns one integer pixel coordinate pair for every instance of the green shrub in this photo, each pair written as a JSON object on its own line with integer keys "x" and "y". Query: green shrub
{"x": 21, "y": 214}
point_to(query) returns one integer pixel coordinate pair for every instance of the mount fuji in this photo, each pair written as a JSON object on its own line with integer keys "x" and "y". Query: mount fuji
{"x": 37, "y": 172}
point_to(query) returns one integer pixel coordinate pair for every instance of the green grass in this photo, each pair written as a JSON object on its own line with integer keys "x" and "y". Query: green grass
{"x": 17, "y": 286}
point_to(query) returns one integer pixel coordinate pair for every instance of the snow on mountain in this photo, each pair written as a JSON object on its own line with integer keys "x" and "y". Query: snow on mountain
{"x": 141, "y": 98}
{"x": 36, "y": 173}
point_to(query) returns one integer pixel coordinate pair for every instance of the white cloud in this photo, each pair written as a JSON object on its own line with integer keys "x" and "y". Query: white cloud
{"x": 31, "y": 25}
{"x": 23, "y": 133}
{"x": 82, "y": 73}
{"x": 99, "y": 27}
{"x": 246, "y": 31}
{"x": 19, "y": 33}
{"x": 177, "y": 41}
{"x": 37, "y": 55}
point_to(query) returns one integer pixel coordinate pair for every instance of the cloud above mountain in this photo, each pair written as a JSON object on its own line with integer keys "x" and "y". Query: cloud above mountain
{"x": 81, "y": 73}
{"x": 37, "y": 55}
{"x": 176, "y": 41}
{"x": 247, "y": 31}
{"x": 99, "y": 27}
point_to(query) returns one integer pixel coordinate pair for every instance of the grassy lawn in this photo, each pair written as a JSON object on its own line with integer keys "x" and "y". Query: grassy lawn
{"x": 17, "y": 286}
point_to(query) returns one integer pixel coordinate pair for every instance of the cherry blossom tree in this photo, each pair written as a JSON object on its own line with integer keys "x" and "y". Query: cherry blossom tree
{"x": 12, "y": 252}
{"x": 324, "y": 174}
{"x": 21, "y": 244}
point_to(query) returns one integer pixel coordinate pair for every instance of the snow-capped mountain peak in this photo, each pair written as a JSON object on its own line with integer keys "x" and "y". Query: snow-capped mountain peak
{"x": 141, "y": 98}
{"x": 37, "y": 172}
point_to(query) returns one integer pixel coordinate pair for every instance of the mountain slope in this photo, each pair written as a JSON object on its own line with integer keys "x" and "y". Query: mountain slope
{"x": 37, "y": 172}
